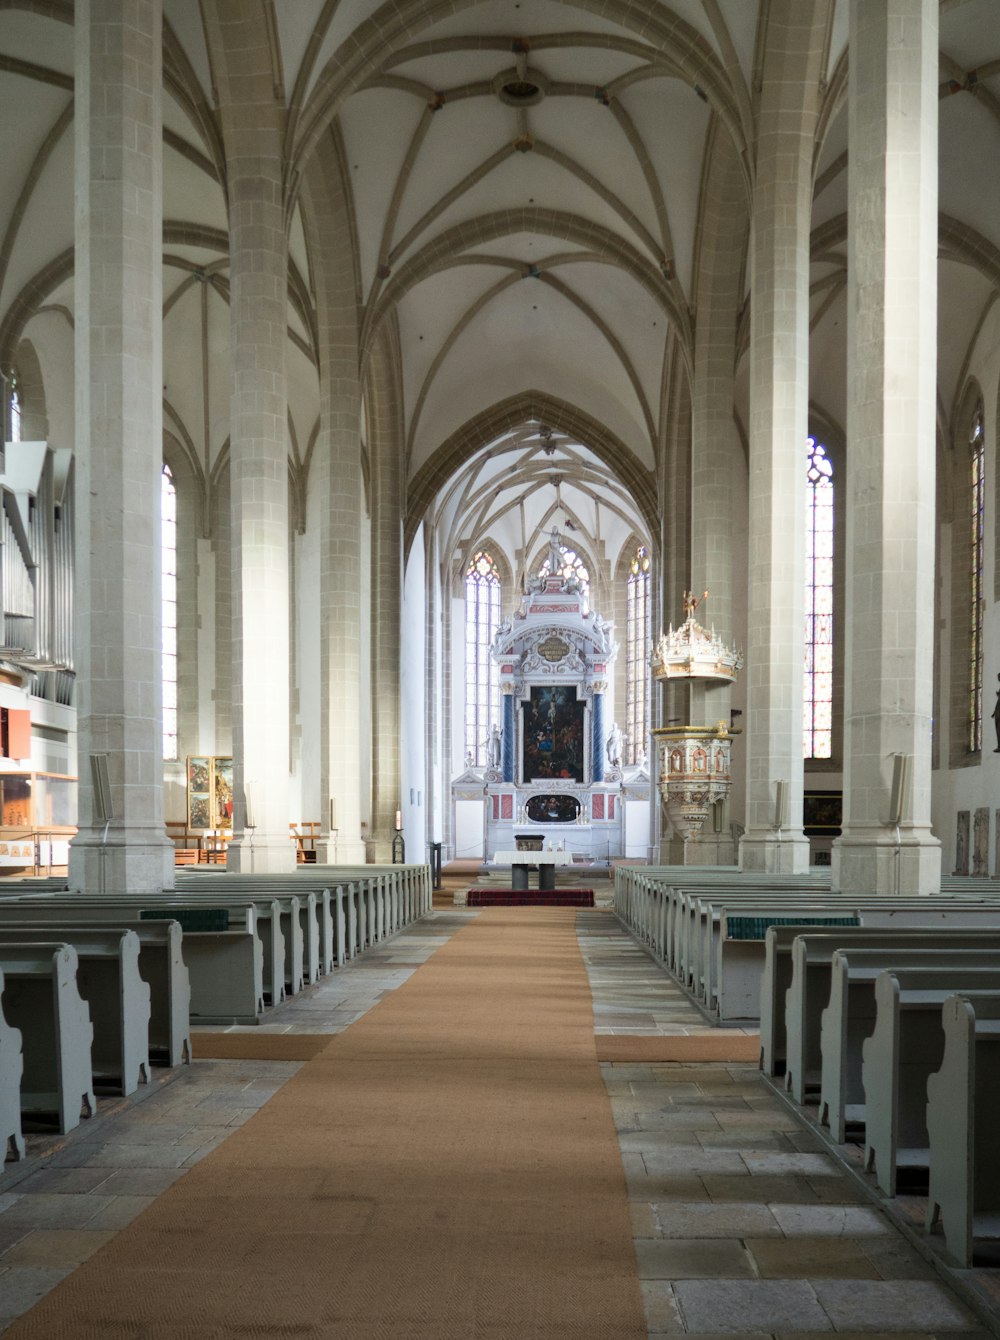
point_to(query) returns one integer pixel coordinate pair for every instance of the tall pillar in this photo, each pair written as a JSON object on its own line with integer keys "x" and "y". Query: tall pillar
{"x": 597, "y": 738}
{"x": 779, "y": 386}
{"x": 340, "y": 490}
{"x": 387, "y": 474}
{"x": 716, "y": 455}
{"x": 891, "y": 351}
{"x": 119, "y": 397}
{"x": 258, "y": 431}
{"x": 508, "y": 736}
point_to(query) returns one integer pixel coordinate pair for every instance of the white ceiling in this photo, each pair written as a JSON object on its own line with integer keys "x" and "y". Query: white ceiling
{"x": 608, "y": 183}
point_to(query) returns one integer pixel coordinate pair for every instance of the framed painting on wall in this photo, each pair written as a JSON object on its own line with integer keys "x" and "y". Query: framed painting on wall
{"x": 209, "y": 791}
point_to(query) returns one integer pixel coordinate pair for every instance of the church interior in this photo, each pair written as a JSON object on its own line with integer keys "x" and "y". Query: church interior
{"x": 544, "y": 439}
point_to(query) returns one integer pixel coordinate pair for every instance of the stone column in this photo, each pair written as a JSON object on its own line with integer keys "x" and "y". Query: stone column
{"x": 387, "y": 492}
{"x": 892, "y": 347}
{"x": 258, "y": 430}
{"x": 716, "y": 455}
{"x": 341, "y": 494}
{"x": 779, "y": 385}
{"x": 597, "y": 738}
{"x": 119, "y": 438}
{"x": 509, "y": 729}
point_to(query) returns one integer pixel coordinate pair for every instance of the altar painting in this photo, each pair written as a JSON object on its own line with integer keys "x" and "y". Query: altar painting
{"x": 552, "y": 739}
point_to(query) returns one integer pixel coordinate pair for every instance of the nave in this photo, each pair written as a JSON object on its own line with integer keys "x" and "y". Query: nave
{"x": 741, "y": 1221}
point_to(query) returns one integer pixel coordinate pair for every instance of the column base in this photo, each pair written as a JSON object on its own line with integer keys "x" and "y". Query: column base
{"x": 345, "y": 851}
{"x": 770, "y": 853}
{"x": 130, "y": 861}
{"x": 380, "y": 848}
{"x": 713, "y": 849}
{"x": 880, "y": 861}
{"x": 261, "y": 854}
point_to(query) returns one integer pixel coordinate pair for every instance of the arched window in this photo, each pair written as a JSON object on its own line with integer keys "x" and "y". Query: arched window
{"x": 14, "y": 408}
{"x": 572, "y": 566}
{"x": 817, "y": 723}
{"x": 638, "y": 637}
{"x": 977, "y": 501}
{"x": 168, "y": 514}
{"x": 482, "y": 678}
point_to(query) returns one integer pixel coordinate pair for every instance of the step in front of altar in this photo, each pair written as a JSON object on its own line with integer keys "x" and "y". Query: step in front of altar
{"x": 507, "y": 897}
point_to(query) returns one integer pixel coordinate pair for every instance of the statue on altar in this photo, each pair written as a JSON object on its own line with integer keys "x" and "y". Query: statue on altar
{"x": 615, "y": 745}
{"x": 494, "y": 748}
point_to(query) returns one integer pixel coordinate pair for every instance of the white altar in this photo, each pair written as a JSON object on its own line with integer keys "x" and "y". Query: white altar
{"x": 553, "y": 774}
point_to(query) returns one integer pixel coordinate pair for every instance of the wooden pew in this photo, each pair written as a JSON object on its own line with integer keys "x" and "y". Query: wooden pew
{"x": 905, "y": 1048}
{"x": 161, "y": 966}
{"x": 222, "y": 948}
{"x": 41, "y": 999}
{"x": 850, "y": 1016}
{"x": 963, "y": 1099}
{"x": 117, "y": 998}
{"x": 11, "y": 1070}
{"x": 810, "y": 988}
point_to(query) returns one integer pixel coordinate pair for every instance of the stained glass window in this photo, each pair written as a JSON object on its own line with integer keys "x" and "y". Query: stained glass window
{"x": 977, "y": 500}
{"x": 168, "y": 514}
{"x": 638, "y": 637}
{"x": 482, "y": 679}
{"x": 817, "y": 724}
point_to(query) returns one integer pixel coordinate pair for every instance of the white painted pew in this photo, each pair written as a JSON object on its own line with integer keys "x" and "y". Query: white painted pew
{"x": 116, "y": 996}
{"x": 850, "y": 1016}
{"x": 963, "y": 1099}
{"x": 40, "y": 997}
{"x": 810, "y": 988}
{"x": 161, "y": 965}
{"x": 11, "y": 1070}
{"x": 905, "y": 1048}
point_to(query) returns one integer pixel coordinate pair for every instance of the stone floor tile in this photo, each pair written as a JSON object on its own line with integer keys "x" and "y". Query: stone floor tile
{"x": 120, "y": 1212}
{"x": 837, "y": 1190}
{"x": 890, "y": 1305}
{"x": 697, "y": 1161}
{"x": 760, "y": 1142}
{"x": 734, "y": 1306}
{"x": 63, "y": 1180}
{"x": 766, "y": 1119}
{"x": 783, "y": 1188}
{"x": 677, "y": 1119}
{"x": 643, "y": 1220}
{"x": 709, "y": 1219}
{"x": 895, "y": 1259}
{"x": 23, "y": 1286}
{"x": 56, "y": 1248}
{"x": 670, "y": 1187}
{"x": 698, "y": 1258}
{"x": 810, "y": 1258}
{"x": 54, "y": 1211}
{"x": 141, "y": 1181}
{"x": 810, "y": 1165}
{"x": 662, "y": 1316}
{"x": 847, "y": 1221}
{"x": 10, "y": 1236}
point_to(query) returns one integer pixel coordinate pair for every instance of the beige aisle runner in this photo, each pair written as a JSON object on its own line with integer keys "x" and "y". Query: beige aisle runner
{"x": 447, "y": 1167}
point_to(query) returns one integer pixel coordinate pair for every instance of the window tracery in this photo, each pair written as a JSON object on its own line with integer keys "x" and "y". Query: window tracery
{"x": 817, "y": 724}
{"x": 482, "y": 678}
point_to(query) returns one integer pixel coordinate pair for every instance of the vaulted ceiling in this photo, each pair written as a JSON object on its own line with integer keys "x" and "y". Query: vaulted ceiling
{"x": 527, "y": 180}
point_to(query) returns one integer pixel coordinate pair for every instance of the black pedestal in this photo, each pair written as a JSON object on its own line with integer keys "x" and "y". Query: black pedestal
{"x": 519, "y": 876}
{"x": 546, "y": 877}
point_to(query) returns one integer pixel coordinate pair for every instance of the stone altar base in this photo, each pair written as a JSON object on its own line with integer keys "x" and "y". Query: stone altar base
{"x": 530, "y": 898}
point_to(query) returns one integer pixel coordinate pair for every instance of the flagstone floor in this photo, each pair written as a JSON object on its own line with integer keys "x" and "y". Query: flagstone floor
{"x": 745, "y": 1223}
